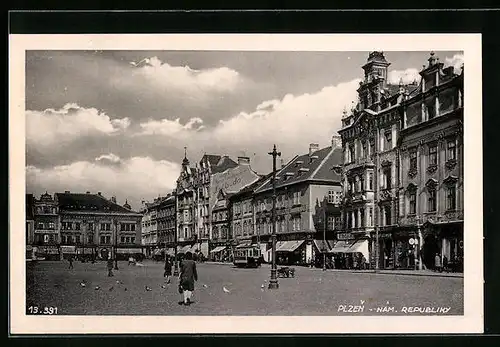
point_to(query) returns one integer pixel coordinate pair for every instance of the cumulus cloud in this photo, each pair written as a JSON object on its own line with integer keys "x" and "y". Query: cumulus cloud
{"x": 291, "y": 122}
{"x": 68, "y": 123}
{"x": 135, "y": 179}
{"x": 112, "y": 158}
{"x": 170, "y": 127}
{"x": 184, "y": 78}
{"x": 407, "y": 76}
{"x": 456, "y": 61}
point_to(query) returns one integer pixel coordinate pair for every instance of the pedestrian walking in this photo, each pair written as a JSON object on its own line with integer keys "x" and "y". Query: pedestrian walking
{"x": 187, "y": 276}
{"x": 110, "y": 267}
{"x": 437, "y": 262}
{"x": 445, "y": 263}
{"x": 70, "y": 259}
{"x": 168, "y": 269}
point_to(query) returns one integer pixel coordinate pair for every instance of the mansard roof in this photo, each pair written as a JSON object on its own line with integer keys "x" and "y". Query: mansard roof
{"x": 77, "y": 202}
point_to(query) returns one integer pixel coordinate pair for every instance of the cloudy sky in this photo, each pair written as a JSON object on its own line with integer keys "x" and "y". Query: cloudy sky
{"x": 118, "y": 121}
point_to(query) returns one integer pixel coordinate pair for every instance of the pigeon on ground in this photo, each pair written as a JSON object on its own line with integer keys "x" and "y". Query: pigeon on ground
{"x": 97, "y": 288}
{"x": 82, "y": 284}
{"x": 111, "y": 288}
{"x": 262, "y": 286}
{"x": 205, "y": 286}
{"x": 148, "y": 289}
{"x": 225, "y": 290}
{"x": 163, "y": 286}
{"x": 119, "y": 282}
{"x": 139, "y": 264}
{"x": 125, "y": 289}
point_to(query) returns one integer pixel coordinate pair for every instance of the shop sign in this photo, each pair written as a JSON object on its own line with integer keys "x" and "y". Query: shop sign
{"x": 345, "y": 236}
{"x": 47, "y": 250}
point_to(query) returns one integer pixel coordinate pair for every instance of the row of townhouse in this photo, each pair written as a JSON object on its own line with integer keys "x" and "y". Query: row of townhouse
{"x": 220, "y": 204}
{"x": 403, "y": 166}
{"x": 79, "y": 224}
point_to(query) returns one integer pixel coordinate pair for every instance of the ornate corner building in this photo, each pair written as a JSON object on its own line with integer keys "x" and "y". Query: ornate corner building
{"x": 402, "y": 147}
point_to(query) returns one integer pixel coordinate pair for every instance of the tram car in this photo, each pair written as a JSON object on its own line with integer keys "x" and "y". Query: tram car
{"x": 248, "y": 256}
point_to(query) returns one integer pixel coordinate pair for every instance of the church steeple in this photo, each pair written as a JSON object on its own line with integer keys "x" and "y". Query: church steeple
{"x": 376, "y": 67}
{"x": 185, "y": 161}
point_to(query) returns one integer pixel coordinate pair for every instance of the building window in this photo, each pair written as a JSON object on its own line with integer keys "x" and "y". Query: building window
{"x": 77, "y": 226}
{"x": 431, "y": 200}
{"x": 296, "y": 198}
{"x": 132, "y": 239}
{"x": 370, "y": 216}
{"x": 388, "y": 140}
{"x": 452, "y": 150}
{"x": 364, "y": 152}
{"x": 388, "y": 216}
{"x": 91, "y": 226}
{"x": 362, "y": 184}
{"x": 451, "y": 197}
{"x": 370, "y": 181}
{"x": 413, "y": 202}
{"x": 388, "y": 179}
{"x": 90, "y": 238}
{"x": 351, "y": 153}
{"x": 331, "y": 196}
{"x": 413, "y": 160}
{"x": 433, "y": 155}
{"x": 122, "y": 239}
{"x": 106, "y": 226}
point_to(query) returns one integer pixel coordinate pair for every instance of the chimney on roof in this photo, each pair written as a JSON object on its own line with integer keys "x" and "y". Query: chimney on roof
{"x": 313, "y": 147}
{"x": 282, "y": 163}
{"x": 67, "y": 192}
{"x": 113, "y": 199}
{"x": 336, "y": 141}
{"x": 88, "y": 192}
{"x": 99, "y": 193}
{"x": 243, "y": 160}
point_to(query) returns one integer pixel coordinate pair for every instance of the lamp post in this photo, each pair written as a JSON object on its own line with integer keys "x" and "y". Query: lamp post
{"x": 273, "y": 283}
{"x": 116, "y": 243}
{"x": 419, "y": 244}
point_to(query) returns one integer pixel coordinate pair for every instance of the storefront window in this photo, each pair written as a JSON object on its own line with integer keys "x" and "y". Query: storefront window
{"x": 431, "y": 201}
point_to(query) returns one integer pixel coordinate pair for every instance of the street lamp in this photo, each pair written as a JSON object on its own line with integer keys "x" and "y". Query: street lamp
{"x": 116, "y": 243}
{"x": 273, "y": 283}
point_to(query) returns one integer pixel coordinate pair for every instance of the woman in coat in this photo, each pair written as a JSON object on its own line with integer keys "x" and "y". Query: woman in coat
{"x": 187, "y": 276}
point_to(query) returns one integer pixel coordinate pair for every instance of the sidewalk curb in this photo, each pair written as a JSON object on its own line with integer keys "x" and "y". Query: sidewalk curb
{"x": 384, "y": 272}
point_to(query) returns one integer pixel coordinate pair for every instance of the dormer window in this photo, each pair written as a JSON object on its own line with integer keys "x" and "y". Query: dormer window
{"x": 312, "y": 158}
{"x": 299, "y": 162}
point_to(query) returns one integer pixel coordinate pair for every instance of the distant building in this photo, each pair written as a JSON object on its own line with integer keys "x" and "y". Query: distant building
{"x": 47, "y": 223}
{"x": 300, "y": 185}
{"x": 92, "y": 225}
{"x": 149, "y": 237}
{"x": 197, "y": 192}
{"x": 167, "y": 221}
{"x": 220, "y": 242}
{"x": 242, "y": 217}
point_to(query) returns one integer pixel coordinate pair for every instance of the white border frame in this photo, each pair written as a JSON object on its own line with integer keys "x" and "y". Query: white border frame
{"x": 470, "y": 322}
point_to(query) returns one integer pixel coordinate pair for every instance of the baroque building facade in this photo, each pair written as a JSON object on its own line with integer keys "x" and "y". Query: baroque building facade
{"x": 431, "y": 193}
{"x": 378, "y": 140}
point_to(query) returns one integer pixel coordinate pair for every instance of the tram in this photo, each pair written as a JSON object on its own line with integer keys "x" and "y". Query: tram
{"x": 247, "y": 256}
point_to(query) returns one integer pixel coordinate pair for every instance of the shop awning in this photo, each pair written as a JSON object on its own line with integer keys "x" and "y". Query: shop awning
{"x": 159, "y": 251}
{"x": 244, "y": 244}
{"x": 68, "y": 249}
{"x": 341, "y": 247}
{"x": 171, "y": 251}
{"x": 218, "y": 249}
{"x": 184, "y": 249}
{"x": 323, "y": 246}
{"x": 194, "y": 248}
{"x": 86, "y": 251}
{"x": 128, "y": 250}
{"x": 289, "y": 246}
{"x": 360, "y": 246}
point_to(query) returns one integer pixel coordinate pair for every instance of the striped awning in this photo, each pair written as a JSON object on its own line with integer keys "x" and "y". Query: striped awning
{"x": 341, "y": 247}
{"x": 323, "y": 246}
{"x": 289, "y": 246}
{"x": 360, "y": 246}
{"x": 218, "y": 249}
{"x": 244, "y": 244}
{"x": 184, "y": 249}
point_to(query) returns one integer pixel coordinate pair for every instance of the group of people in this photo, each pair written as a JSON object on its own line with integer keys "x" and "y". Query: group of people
{"x": 187, "y": 276}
